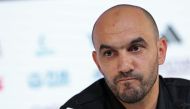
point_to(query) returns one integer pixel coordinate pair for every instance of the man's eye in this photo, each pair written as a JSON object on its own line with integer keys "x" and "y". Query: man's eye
{"x": 108, "y": 53}
{"x": 135, "y": 48}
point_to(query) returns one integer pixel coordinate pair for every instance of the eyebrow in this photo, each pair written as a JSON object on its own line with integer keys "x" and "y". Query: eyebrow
{"x": 103, "y": 46}
{"x": 135, "y": 41}
{"x": 138, "y": 40}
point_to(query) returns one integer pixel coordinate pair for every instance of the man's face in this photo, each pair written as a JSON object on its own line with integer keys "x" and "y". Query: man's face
{"x": 127, "y": 55}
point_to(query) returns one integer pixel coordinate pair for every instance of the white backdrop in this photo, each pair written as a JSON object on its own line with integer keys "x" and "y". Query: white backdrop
{"x": 45, "y": 47}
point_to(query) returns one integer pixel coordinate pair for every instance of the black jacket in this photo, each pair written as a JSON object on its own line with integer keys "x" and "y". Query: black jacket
{"x": 174, "y": 93}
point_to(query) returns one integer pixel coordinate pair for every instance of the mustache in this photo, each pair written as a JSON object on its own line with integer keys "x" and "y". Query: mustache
{"x": 128, "y": 74}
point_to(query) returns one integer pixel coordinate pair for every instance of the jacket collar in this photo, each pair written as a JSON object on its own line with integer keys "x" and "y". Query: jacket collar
{"x": 166, "y": 100}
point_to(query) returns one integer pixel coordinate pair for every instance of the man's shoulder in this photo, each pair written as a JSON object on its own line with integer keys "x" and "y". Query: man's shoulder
{"x": 91, "y": 94}
{"x": 179, "y": 90}
{"x": 177, "y": 82}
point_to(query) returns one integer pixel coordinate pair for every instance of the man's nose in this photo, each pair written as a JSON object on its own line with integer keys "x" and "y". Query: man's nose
{"x": 125, "y": 63}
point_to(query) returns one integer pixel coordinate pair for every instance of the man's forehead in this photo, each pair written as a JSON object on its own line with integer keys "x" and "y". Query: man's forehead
{"x": 117, "y": 20}
{"x": 117, "y": 38}
{"x": 122, "y": 19}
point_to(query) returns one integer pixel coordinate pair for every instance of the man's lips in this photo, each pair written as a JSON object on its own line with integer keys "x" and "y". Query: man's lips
{"x": 126, "y": 79}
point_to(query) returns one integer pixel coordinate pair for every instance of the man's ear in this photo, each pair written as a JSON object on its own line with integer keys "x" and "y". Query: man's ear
{"x": 94, "y": 55}
{"x": 162, "y": 48}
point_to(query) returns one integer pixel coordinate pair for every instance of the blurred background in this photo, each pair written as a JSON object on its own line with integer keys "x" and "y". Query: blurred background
{"x": 45, "y": 47}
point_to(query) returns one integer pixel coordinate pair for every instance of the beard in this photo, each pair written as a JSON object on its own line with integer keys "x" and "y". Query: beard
{"x": 127, "y": 91}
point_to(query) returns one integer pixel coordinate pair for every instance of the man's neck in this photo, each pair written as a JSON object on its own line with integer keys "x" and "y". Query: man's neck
{"x": 149, "y": 101}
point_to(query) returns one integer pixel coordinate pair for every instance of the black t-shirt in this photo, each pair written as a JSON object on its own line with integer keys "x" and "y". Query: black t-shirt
{"x": 174, "y": 93}
{"x": 111, "y": 101}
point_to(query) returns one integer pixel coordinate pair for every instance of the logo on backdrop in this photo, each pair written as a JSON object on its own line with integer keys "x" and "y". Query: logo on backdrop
{"x": 97, "y": 74}
{"x": 43, "y": 49}
{"x": 1, "y": 83}
{"x": 48, "y": 79}
{"x": 171, "y": 35}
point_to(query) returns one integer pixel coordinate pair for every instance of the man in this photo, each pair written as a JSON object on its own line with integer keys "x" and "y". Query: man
{"x": 128, "y": 51}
